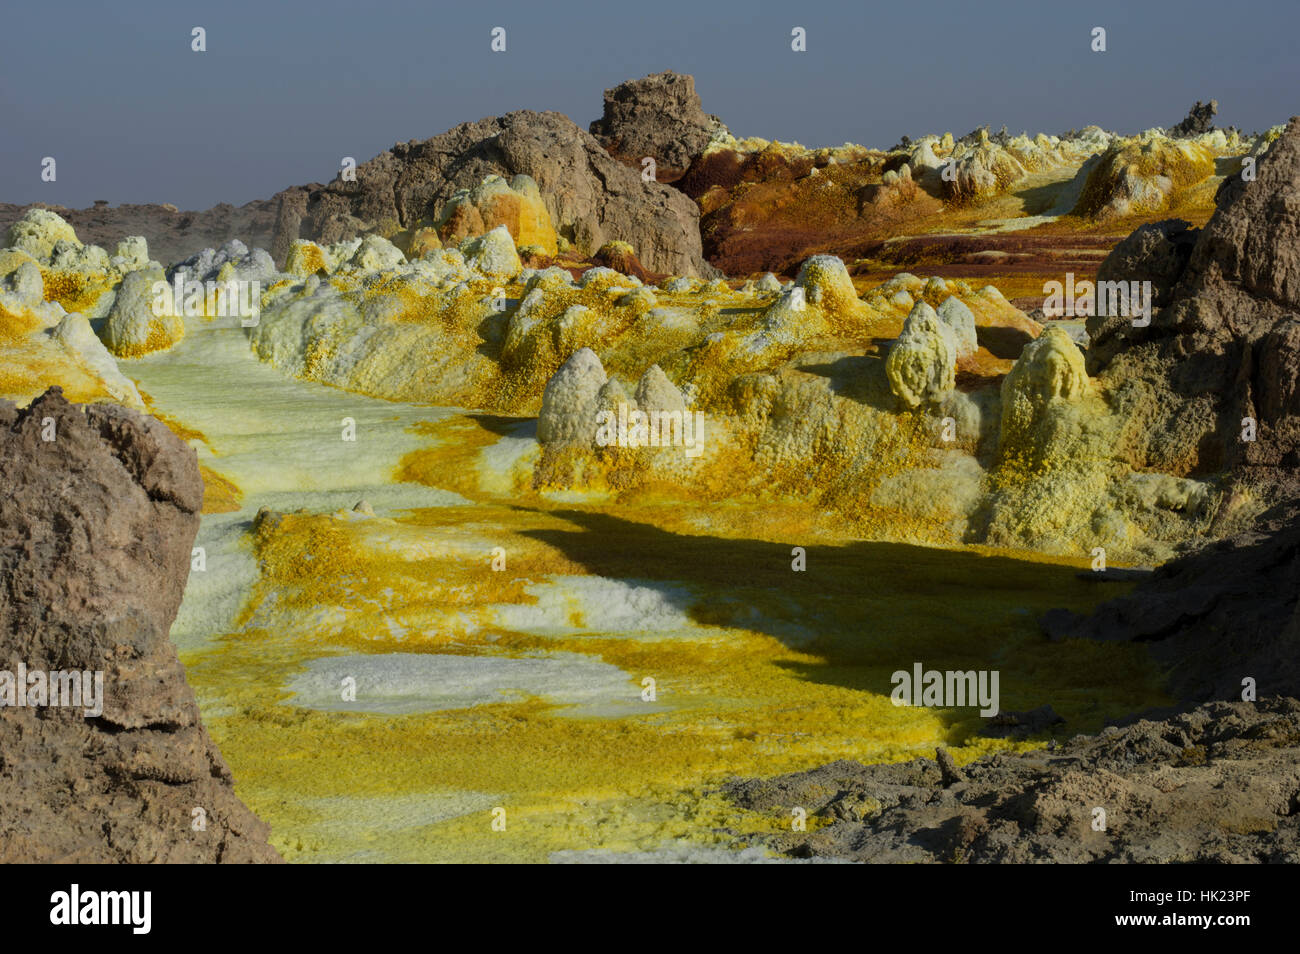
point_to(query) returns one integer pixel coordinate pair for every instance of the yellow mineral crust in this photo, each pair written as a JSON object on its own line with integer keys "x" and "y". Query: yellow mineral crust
{"x": 220, "y": 494}
{"x": 1143, "y": 174}
{"x": 35, "y": 356}
{"x": 516, "y": 204}
{"x": 765, "y": 680}
{"x": 805, "y": 389}
{"x": 78, "y": 291}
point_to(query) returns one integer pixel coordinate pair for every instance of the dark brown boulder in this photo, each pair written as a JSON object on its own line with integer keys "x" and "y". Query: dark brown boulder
{"x": 1199, "y": 120}
{"x": 96, "y": 529}
{"x": 658, "y": 116}
{"x": 1157, "y": 252}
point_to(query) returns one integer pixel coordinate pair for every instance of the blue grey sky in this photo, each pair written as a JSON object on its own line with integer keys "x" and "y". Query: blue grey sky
{"x": 115, "y": 94}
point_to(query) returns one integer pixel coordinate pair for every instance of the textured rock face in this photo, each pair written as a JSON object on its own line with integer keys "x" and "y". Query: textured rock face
{"x": 1157, "y": 253}
{"x": 657, "y": 116}
{"x": 1214, "y": 617}
{"x": 1199, "y": 120}
{"x": 1216, "y": 784}
{"x": 96, "y": 527}
{"x": 590, "y": 197}
{"x": 1222, "y": 350}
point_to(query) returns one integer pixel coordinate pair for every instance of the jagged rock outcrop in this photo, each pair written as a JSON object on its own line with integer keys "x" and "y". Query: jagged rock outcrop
{"x": 1157, "y": 253}
{"x": 96, "y": 527}
{"x": 591, "y": 198}
{"x": 658, "y": 116}
{"x": 1214, "y": 785}
{"x": 1198, "y": 121}
{"x": 1211, "y": 384}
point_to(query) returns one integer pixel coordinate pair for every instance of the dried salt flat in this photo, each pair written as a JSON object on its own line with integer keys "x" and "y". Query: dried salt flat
{"x": 405, "y": 683}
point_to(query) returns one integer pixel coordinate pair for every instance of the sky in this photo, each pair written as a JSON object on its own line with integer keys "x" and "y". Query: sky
{"x": 131, "y": 113}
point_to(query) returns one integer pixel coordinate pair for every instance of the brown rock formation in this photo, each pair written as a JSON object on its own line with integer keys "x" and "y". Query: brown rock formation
{"x": 622, "y": 258}
{"x": 96, "y": 527}
{"x": 659, "y": 116}
{"x": 1199, "y": 120}
{"x": 1223, "y": 350}
{"x": 591, "y": 197}
{"x": 1214, "y": 785}
{"x": 289, "y": 213}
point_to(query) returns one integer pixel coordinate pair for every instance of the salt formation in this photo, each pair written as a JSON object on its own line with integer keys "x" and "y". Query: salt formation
{"x": 1141, "y": 174}
{"x": 41, "y": 343}
{"x": 821, "y": 300}
{"x": 37, "y": 233}
{"x": 922, "y": 363}
{"x": 136, "y": 325}
{"x": 233, "y": 261}
{"x": 375, "y": 254}
{"x": 493, "y": 254}
{"x": 1050, "y": 370}
{"x": 571, "y": 400}
{"x": 961, "y": 320}
{"x": 654, "y": 392}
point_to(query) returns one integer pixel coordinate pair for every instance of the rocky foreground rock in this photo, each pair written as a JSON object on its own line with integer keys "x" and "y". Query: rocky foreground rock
{"x": 99, "y": 514}
{"x": 1218, "y": 784}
